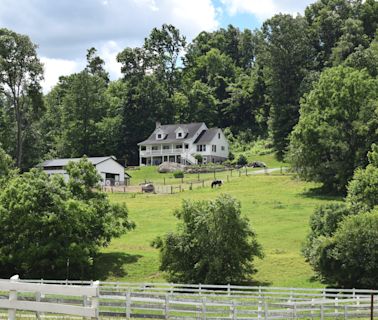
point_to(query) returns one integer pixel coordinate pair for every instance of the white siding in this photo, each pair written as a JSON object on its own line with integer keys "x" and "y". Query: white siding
{"x": 111, "y": 166}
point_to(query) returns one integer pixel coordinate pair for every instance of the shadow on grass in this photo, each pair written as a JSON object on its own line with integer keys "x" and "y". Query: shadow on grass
{"x": 321, "y": 194}
{"x": 112, "y": 264}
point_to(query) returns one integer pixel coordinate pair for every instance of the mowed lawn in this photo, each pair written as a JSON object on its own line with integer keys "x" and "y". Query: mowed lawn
{"x": 278, "y": 207}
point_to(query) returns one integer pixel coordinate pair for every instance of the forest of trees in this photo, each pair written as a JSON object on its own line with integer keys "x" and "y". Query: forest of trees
{"x": 258, "y": 83}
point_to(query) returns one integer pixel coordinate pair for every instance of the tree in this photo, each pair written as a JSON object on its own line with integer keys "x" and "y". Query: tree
{"x": 163, "y": 49}
{"x": 337, "y": 126}
{"x": 285, "y": 55}
{"x": 363, "y": 188}
{"x": 20, "y": 74}
{"x": 95, "y": 65}
{"x": 79, "y": 109}
{"x": 242, "y": 160}
{"x": 6, "y": 168}
{"x": 52, "y": 229}
{"x": 214, "y": 244}
{"x": 351, "y": 257}
{"x": 323, "y": 225}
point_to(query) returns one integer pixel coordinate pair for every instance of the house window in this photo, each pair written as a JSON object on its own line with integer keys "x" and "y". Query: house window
{"x": 218, "y": 135}
{"x": 154, "y": 148}
{"x": 214, "y": 148}
{"x": 159, "y": 136}
{"x": 179, "y": 134}
{"x": 178, "y": 146}
{"x": 223, "y": 148}
{"x": 186, "y": 146}
{"x": 143, "y": 148}
{"x": 201, "y": 147}
{"x": 165, "y": 147}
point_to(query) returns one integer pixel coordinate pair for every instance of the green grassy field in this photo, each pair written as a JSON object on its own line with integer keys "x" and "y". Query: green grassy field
{"x": 278, "y": 207}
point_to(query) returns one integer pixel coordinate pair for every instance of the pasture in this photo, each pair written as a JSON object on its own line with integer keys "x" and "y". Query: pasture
{"x": 278, "y": 207}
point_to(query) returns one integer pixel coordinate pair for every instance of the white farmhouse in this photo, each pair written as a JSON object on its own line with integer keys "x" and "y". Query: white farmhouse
{"x": 181, "y": 142}
{"x": 112, "y": 173}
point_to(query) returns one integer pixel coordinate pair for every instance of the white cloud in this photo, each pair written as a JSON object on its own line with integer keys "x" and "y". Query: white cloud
{"x": 64, "y": 30}
{"x": 54, "y": 68}
{"x": 108, "y": 52}
{"x": 266, "y": 8}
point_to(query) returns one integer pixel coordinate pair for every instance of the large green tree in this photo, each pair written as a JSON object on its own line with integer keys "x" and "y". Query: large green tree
{"x": 20, "y": 74}
{"x": 285, "y": 56}
{"x": 214, "y": 244}
{"x": 337, "y": 126}
{"x": 52, "y": 229}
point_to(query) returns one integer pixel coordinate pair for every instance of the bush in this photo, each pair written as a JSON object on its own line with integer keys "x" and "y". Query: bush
{"x": 323, "y": 224}
{"x": 231, "y": 156}
{"x": 199, "y": 158}
{"x": 242, "y": 160}
{"x": 213, "y": 244}
{"x": 52, "y": 229}
{"x": 178, "y": 174}
{"x": 351, "y": 259}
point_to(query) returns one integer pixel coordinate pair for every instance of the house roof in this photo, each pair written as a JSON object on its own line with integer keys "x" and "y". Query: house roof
{"x": 170, "y": 134}
{"x": 63, "y": 162}
{"x": 207, "y": 136}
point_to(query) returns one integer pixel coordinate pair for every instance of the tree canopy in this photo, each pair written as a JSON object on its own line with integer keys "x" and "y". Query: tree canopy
{"x": 213, "y": 244}
{"x": 52, "y": 229}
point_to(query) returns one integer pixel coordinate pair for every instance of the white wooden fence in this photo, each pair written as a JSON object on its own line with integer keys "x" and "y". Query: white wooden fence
{"x": 214, "y": 302}
{"x": 48, "y": 298}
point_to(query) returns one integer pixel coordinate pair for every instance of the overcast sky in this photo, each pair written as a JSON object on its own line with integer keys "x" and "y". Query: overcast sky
{"x": 65, "y": 29}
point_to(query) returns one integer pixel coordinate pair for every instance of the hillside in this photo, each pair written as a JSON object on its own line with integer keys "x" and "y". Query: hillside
{"x": 278, "y": 207}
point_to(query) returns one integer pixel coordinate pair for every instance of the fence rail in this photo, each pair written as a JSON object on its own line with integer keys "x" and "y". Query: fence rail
{"x": 217, "y": 302}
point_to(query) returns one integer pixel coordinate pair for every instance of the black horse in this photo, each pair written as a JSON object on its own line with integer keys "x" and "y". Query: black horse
{"x": 216, "y": 183}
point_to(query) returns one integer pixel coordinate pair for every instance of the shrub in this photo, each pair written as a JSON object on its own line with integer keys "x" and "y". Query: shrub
{"x": 199, "y": 158}
{"x": 214, "y": 244}
{"x": 242, "y": 160}
{"x": 178, "y": 174}
{"x": 231, "y": 156}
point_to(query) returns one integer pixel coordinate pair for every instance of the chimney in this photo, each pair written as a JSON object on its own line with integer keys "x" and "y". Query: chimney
{"x": 158, "y": 124}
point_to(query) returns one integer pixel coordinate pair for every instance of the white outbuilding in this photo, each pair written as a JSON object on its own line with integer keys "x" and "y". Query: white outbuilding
{"x": 112, "y": 172}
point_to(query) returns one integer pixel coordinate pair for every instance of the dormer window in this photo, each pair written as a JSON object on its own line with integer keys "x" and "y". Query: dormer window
{"x": 159, "y": 134}
{"x": 181, "y": 132}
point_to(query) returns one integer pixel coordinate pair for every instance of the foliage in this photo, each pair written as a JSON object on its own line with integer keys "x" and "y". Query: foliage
{"x": 363, "y": 188}
{"x": 53, "y": 230}
{"x": 178, "y": 174}
{"x": 199, "y": 158}
{"x": 231, "y": 156}
{"x": 337, "y": 126}
{"x": 6, "y": 168}
{"x": 350, "y": 258}
{"x": 214, "y": 244}
{"x": 323, "y": 224}
{"x": 20, "y": 74}
{"x": 242, "y": 160}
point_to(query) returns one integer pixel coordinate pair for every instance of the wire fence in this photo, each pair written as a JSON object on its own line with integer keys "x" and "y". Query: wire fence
{"x": 193, "y": 181}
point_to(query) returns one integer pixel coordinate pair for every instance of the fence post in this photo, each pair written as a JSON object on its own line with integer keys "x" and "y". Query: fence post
{"x": 164, "y": 180}
{"x": 95, "y": 299}
{"x": 38, "y": 299}
{"x": 246, "y": 172}
{"x": 321, "y": 312}
{"x": 180, "y": 187}
{"x": 166, "y": 307}
{"x": 234, "y": 311}
{"x": 259, "y": 308}
{"x": 171, "y": 189}
{"x": 128, "y": 304}
{"x": 203, "y": 183}
{"x": 214, "y": 175}
{"x": 204, "y": 308}
{"x": 345, "y": 312}
{"x": 266, "y": 311}
{"x": 239, "y": 173}
{"x": 13, "y": 297}
{"x": 191, "y": 186}
{"x": 228, "y": 289}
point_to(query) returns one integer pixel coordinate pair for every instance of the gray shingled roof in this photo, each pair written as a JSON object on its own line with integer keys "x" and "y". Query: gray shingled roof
{"x": 207, "y": 136}
{"x": 63, "y": 162}
{"x": 170, "y": 135}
